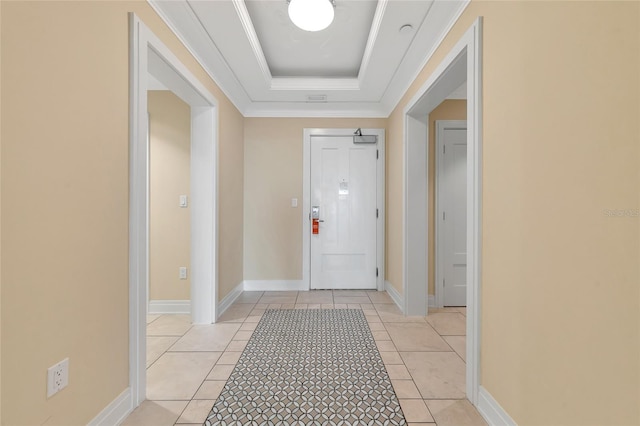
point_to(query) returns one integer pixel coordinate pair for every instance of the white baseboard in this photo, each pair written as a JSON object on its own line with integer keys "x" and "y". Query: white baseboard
{"x": 274, "y": 285}
{"x": 395, "y": 296}
{"x": 491, "y": 410}
{"x": 116, "y": 411}
{"x": 431, "y": 302}
{"x": 228, "y": 300}
{"x": 170, "y": 306}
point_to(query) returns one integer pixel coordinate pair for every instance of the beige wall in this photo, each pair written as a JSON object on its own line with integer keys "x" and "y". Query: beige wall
{"x": 394, "y": 210}
{"x": 64, "y": 187}
{"x": 560, "y": 314}
{"x": 169, "y": 172}
{"x": 273, "y": 176}
{"x": 560, "y": 295}
{"x": 450, "y": 109}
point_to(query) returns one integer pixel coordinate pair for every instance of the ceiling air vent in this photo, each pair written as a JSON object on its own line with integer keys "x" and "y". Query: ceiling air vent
{"x": 316, "y": 98}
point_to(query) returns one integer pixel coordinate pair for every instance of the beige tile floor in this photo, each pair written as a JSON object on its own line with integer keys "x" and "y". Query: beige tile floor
{"x": 187, "y": 365}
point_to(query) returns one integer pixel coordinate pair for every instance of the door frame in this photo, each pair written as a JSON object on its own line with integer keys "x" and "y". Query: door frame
{"x": 149, "y": 55}
{"x": 439, "y": 244}
{"x": 308, "y": 133}
{"x": 463, "y": 62}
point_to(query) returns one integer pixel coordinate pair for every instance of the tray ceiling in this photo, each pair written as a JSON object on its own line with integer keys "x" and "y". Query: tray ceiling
{"x": 359, "y": 67}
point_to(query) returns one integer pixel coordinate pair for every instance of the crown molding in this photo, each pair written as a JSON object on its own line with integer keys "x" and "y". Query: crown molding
{"x": 408, "y": 71}
{"x": 229, "y": 84}
{"x": 254, "y": 41}
{"x": 315, "y": 110}
{"x": 295, "y": 83}
{"x": 439, "y": 20}
{"x": 309, "y": 84}
{"x": 371, "y": 40}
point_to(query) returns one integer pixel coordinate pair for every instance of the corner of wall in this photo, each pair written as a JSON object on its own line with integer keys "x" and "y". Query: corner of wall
{"x": 394, "y": 294}
{"x": 116, "y": 411}
{"x": 228, "y": 300}
{"x": 492, "y": 411}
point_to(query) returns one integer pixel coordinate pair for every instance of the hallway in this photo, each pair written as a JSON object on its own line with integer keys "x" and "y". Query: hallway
{"x": 187, "y": 365}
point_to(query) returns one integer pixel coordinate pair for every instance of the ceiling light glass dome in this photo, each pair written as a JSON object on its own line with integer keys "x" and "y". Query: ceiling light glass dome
{"x": 311, "y": 15}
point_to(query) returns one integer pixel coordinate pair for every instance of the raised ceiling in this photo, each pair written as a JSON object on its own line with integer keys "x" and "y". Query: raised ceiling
{"x": 336, "y": 52}
{"x": 358, "y": 67}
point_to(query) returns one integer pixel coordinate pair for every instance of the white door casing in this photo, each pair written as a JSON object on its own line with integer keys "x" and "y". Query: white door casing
{"x": 379, "y": 200}
{"x": 451, "y": 217}
{"x": 343, "y": 191}
{"x": 150, "y": 56}
{"x": 462, "y": 63}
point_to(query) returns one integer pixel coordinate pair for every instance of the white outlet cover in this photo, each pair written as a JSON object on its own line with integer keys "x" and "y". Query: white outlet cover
{"x": 64, "y": 380}
{"x": 57, "y": 377}
{"x": 183, "y": 272}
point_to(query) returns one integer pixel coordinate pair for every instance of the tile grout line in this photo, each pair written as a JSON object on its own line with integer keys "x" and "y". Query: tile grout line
{"x": 409, "y": 371}
{"x": 166, "y": 350}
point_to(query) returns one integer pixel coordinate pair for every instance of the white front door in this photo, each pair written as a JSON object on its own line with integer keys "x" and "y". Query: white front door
{"x": 451, "y": 137}
{"x": 344, "y": 191}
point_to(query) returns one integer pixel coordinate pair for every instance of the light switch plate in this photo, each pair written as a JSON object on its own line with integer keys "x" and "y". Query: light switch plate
{"x": 294, "y": 202}
{"x": 183, "y": 201}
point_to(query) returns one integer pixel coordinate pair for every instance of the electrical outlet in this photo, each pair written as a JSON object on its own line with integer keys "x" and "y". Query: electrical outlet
{"x": 57, "y": 377}
{"x": 183, "y": 272}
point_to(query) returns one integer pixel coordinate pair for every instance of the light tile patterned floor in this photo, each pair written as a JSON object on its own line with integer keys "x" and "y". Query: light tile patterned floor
{"x": 187, "y": 365}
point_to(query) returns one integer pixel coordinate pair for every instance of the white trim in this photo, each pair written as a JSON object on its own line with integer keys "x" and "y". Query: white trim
{"x": 204, "y": 213}
{"x": 233, "y": 90}
{"x": 439, "y": 234}
{"x": 315, "y": 109}
{"x": 302, "y": 83}
{"x": 406, "y": 77}
{"x": 250, "y": 31}
{"x": 228, "y": 300}
{"x": 306, "y": 202}
{"x": 148, "y": 54}
{"x": 395, "y": 296}
{"x": 115, "y": 412}
{"x": 274, "y": 285}
{"x": 382, "y": 202}
{"x": 431, "y": 303}
{"x": 439, "y": 20}
{"x": 310, "y": 83}
{"x": 462, "y": 62}
{"x": 492, "y": 411}
{"x": 371, "y": 40}
{"x": 414, "y": 226}
{"x": 474, "y": 230}
{"x": 138, "y": 211}
{"x": 308, "y": 133}
{"x": 169, "y": 306}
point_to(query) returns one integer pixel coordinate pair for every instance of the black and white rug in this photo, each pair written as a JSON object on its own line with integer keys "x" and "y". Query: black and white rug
{"x": 309, "y": 367}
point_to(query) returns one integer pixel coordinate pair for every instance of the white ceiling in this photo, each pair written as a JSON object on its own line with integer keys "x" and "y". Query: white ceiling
{"x": 291, "y": 52}
{"x": 358, "y": 67}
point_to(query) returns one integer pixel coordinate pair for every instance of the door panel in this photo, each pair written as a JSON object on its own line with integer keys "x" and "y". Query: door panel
{"x": 452, "y": 197}
{"x": 343, "y": 185}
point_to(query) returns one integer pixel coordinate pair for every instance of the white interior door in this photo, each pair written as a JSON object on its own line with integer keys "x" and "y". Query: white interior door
{"x": 451, "y": 139}
{"x": 343, "y": 188}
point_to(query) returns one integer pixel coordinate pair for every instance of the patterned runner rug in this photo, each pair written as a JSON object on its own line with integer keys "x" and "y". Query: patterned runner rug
{"x": 309, "y": 367}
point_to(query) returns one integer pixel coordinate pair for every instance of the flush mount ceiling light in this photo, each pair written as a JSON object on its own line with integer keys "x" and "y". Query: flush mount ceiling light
{"x": 311, "y": 15}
